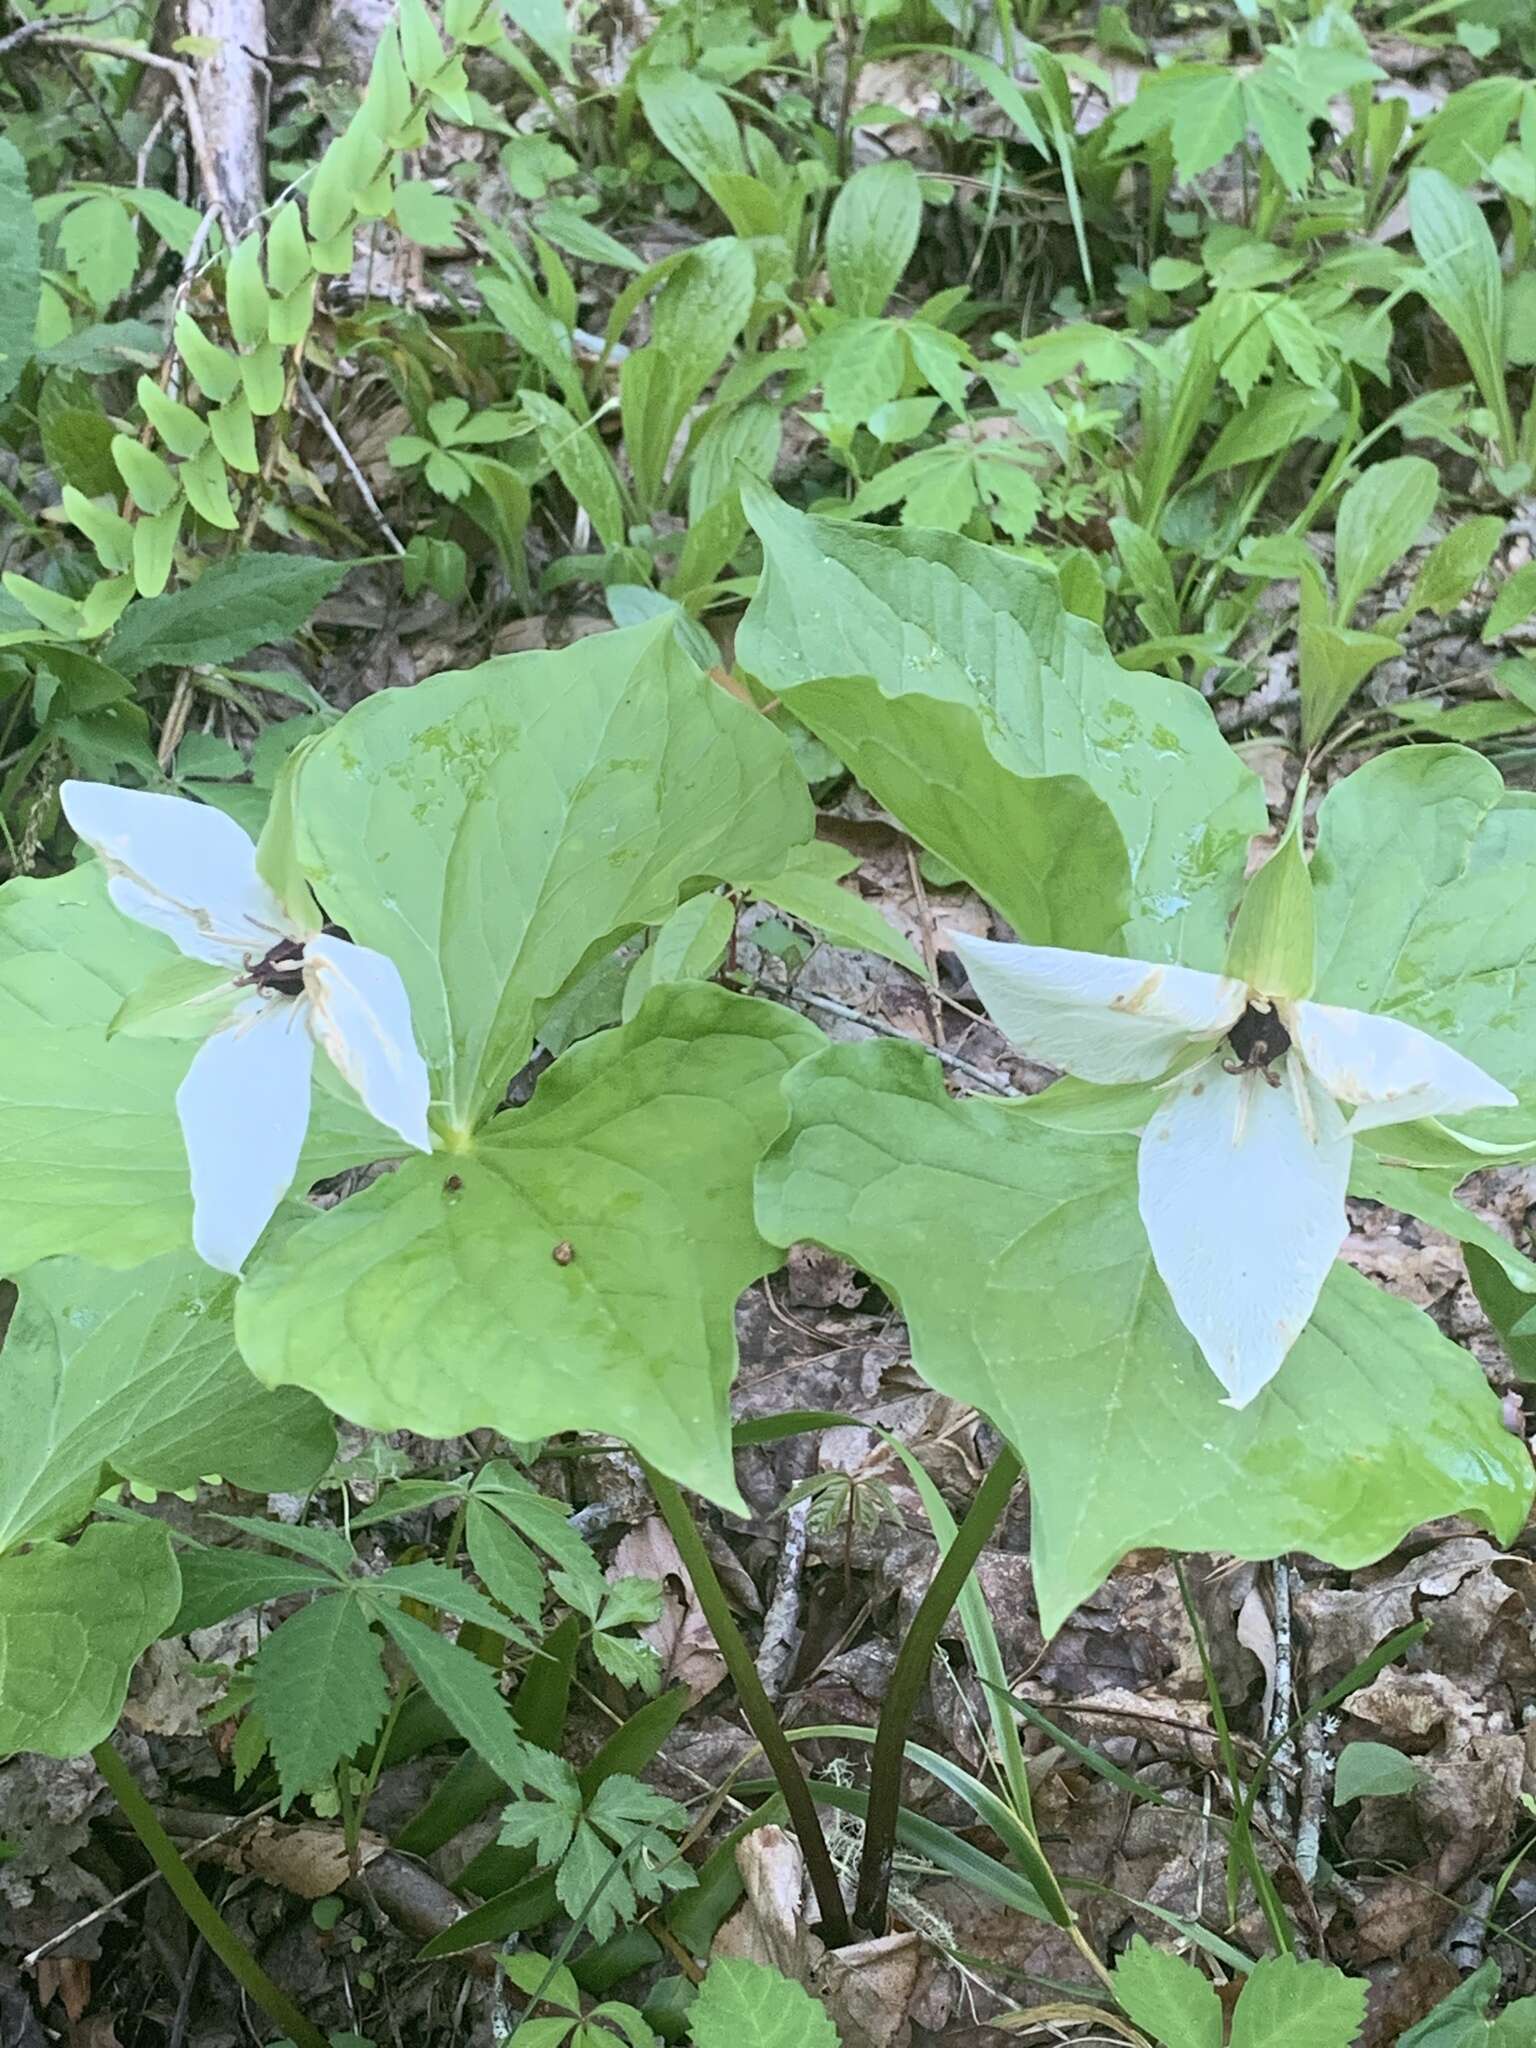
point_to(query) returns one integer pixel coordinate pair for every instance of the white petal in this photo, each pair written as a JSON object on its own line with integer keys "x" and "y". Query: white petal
{"x": 361, "y": 1016}
{"x": 244, "y": 1109}
{"x": 185, "y": 869}
{"x": 1095, "y": 1016}
{"x": 1392, "y": 1071}
{"x": 1242, "y": 1194}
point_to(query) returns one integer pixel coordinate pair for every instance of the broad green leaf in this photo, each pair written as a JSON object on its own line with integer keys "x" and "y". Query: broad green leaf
{"x": 245, "y": 294}
{"x": 177, "y": 425}
{"x": 1380, "y": 517}
{"x": 1168, "y": 1997}
{"x": 495, "y": 829}
{"x": 504, "y": 1292}
{"x": 73, "y": 1622}
{"x": 1463, "y": 281}
{"x": 151, "y": 483}
{"x": 109, "y": 1376}
{"x": 743, "y": 2004}
{"x": 1422, "y": 877}
{"x": 320, "y": 1690}
{"x": 701, "y": 308}
{"x": 1019, "y": 1257}
{"x": 1372, "y": 1770}
{"x": 1001, "y": 732}
{"x": 692, "y": 121}
{"x": 1200, "y": 106}
{"x": 154, "y": 548}
{"x": 871, "y": 233}
{"x": 807, "y": 887}
{"x": 233, "y": 607}
{"x": 1287, "y": 2003}
{"x": 217, "y": 372}
{"x": 91, "y": 1156}
{"x": 20, "y": 276}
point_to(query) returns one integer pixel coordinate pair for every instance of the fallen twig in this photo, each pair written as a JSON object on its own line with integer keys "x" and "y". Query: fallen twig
{"x": 344, "y": 456}
{"x": 883, "y": 1030}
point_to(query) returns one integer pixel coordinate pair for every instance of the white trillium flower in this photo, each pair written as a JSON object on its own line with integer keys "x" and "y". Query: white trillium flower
{"x": 1245, "y": 1162}
{"x": 190, "y": 872}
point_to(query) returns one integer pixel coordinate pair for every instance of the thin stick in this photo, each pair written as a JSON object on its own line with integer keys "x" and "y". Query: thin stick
{"x": 198, "y": 1907}
{"x": 908, "y": 1677}
{"x": 344, "y": 456}
{"x": 884, "y": 1030}
{"x": 756, "y": 1705}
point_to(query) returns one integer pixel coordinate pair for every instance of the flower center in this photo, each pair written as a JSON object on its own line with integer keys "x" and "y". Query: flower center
{"x": 1258, "y": 1039}
{"x": 281, "y": 971}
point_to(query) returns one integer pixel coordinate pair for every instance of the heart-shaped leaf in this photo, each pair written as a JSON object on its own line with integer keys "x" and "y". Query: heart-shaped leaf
{"x": 1095, "y": 809}
{"x": 1019, "y": 1257}
{"x": 575, "y": 1267}
{"x": 494, "y": 830}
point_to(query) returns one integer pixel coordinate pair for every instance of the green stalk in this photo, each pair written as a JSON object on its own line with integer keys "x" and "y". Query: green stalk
{"x": 198, "y": 1907}
{"x": 756, "y": 1705}
{"x": 908, "y": 1677}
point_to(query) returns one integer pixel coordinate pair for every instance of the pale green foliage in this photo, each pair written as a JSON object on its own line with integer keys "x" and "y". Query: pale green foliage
{"x": 1283, "y": 2003}
{"x": 747, "y": 2005}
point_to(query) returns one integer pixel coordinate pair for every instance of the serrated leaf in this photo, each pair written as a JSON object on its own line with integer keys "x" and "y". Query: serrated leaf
{"x": 1168, "y": 1997}
{"x": 1018, "y": 1253}
{"x": 320, "y": 1690}
{"x": 467, "y": 1692}
{"x": 91, "y": 1157}
{"x": 743, "y": 2004}
{"x": 136, "y": 1376}
{"x": 1003, "y": 735}
{"x": 73, "y": 1622}
{"x": 628, "y": 1177}
{"x": 1287, "y": 2003}
{"x": 504, "y": 1561}
{"x": 233, "y": 607}
{"x": 494, "y": 829}
{"x": 218, "y": 1583}
{"x": 448, "y": 1591}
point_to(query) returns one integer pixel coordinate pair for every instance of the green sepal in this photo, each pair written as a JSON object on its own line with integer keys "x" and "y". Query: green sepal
{"x": 277, "y": 859}
{"x": 176, "y": 1001}
{"x": 1274, "y": 941}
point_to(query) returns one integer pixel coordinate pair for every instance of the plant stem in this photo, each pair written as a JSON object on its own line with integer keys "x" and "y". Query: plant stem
{"x": 756, "y": 1705}
{"x": 198, "y": 1907}
{"x": 908, "y": 1677}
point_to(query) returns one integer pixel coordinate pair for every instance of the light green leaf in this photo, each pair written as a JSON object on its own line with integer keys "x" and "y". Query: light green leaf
{"x": 99, "y": 241}
{"x": 582, "y": 464}
{"x": 1168, "y": 1997}
{"x": 1021, "y": 1262}
{"x": 245, "y": 295}
{"x": 20, "y": 275}
{"x": 154, "y": 548}
{"x": 288, "y": 263}
{"x": 1455, "y": 565}
{"x": 742, "y": 2004}
{"x": 1273, "y": 944}
{"x": 1000, "y": 731}
{"x": 320, "y": 1690}
{"x": 151, "y": 484}
{"x": 217, "y": 372}
{"x": 235, "y": 606}
{"x": 626, "y": 1180}
{"x": 234, "y": 436}
{"x": 493, "y": 830}
{"x": 73, "y": 1622}
{"x": 91, "y": 1156}
{"x": 871, "y": 233}
{"x": 177, "y": 425}
{"x": 426, "y": 217}
{"x": 1380, "y": 517}
{"x": 1334, "y": 660}
{"x": 110, "y": 1376}
{"x": 1287, "y": 2003}
{"x": 688, "y": 947}
{"x": 1372, "y": 1770}
{"x": 1422, "y": 878}
{"x": 806, "y": 886}
{"x": 699, "y": 311}
{"x": 206, "y": 484}
{"x": 1464, "y": 282}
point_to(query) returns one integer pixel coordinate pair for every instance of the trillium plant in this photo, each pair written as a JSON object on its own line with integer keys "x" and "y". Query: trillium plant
{"x": 530, "y": 872}
{"x": 280, "y": 986}
{"x": 1244, "y": 1164}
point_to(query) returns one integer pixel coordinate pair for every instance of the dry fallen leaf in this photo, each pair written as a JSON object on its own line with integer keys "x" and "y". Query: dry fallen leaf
{"x": 681, "y": 1638}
